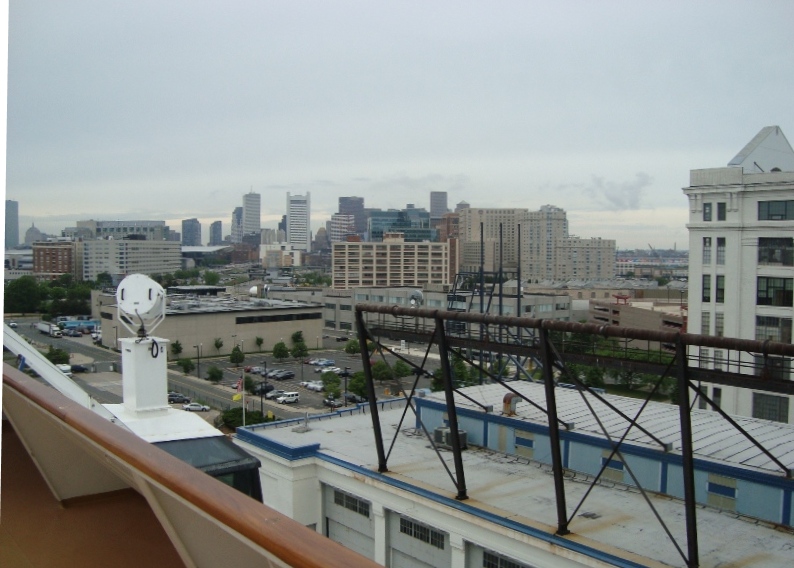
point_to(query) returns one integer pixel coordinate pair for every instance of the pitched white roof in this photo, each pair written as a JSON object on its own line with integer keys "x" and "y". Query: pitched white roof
{"x": 769, "y": 149}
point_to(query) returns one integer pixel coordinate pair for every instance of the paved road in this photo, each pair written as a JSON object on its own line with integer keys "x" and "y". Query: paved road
{"x": 104, "y": 382}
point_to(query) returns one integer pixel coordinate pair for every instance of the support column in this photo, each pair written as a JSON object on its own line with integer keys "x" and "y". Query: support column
{"x": 381, "y": 534}
{"x": 554, "y": 433}
{"x": 454, "y": 432}
{"x": 458, "y": 548}
{"x": 687, "y": 457}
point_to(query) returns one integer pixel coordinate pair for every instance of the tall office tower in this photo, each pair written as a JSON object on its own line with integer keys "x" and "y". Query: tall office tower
{"x": 461, "y": 205}
{"x": 252, "y": 213}
{"x": 438, "y": 204}
{"x": 341, "y": 227}
{"x": 299, "y": 221}
{"x": 12, "y": 224}
{"x": 741, "y": 267}
{"x": 354, "y": 206}
{"x": 282, "y": 227}
{"x": 191, "y": 232}
{"x": 237, "y": 225}
{"x": 491, "y": 219}
{"x": 216, "y": 234}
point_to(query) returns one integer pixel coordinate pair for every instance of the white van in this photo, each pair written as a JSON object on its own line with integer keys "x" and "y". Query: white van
{"x": 65, "y": 369}
{"x": 288, "y": 398}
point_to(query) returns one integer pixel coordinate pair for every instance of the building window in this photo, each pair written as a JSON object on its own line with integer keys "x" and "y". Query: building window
{"x": 720, "y": 293}
{"x": 716, "y": 396}
{"x": 494, "y": 560}
{"x": 706, "y": 250}
{"x": 350, "y": 502}
{"x": 770, "y": 407}
{"x": 775, "y": 210}
{"x": 720, "y": 250}
{"x": 776, "y": 252}
{"x": 775, "y": 292}
{"x": 718, "y": 358}
{"x": 721, "y": 209}
{"x": 772, "y": 367}
{"x": 707, "y": 211}
{"x": 719, "y": 325}
{"x": 706, "y": 288}
{"x": 773, "y": 329}
{"x": 705, "y": 323}
{"x": 721, "y": 492}
{"x": 422, "y": 532}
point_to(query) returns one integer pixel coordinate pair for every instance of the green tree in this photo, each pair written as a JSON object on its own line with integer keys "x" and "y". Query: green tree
{"x": 594, "y": 377}
{"x": 280, "y": 351}
{"x": 331, "y": 383}
{"x": 215, "y": 374}
{"x": 259, "y": 341}
{"x": 176, "y": 348}
{"x": 104, "y": 280}
{"x": 402, "y": 369}
{"x": 233, "y": 418}
{"x": 353, "y": 347}
{"x": 236, "y": 357}
{"x": 357, "y": 384}
{"x": 186, "y": 364}
{"x": 437, "y": 382}
{"x": 300, "y": 351}
{"x": 57, "y": 356}
{"x": 23, "y": 295}
{"x": 297, "y": 337}
{"x": 218, "y": 344}
{"x": 248, "y": 383}
{"x": 211, "y": 278}
{"x": 382, "y": 372}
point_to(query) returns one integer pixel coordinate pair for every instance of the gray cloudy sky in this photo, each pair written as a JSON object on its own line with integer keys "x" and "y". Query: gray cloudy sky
{"x": 173, "y": 109}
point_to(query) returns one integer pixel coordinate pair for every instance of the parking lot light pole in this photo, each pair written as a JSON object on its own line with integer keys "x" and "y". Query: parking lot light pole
{"x": 345, "y": 374}
{"x": 198, "y": 360}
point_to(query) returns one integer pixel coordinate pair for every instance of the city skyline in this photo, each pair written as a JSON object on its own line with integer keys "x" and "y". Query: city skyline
{"x": 180, "y": 109}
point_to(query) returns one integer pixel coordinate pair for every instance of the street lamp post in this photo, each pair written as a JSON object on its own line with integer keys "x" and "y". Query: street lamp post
{"x": 198, "y": 360}
{"x": 345, "y": 374}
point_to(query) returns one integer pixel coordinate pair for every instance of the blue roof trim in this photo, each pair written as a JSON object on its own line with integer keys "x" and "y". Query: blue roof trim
{"x": 291, "y": 453}
{"x": 491, "y": 517}
{"x": 736, "y": 471}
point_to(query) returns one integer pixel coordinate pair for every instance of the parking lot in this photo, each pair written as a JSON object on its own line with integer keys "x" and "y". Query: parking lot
{"x": 102, "y": 377}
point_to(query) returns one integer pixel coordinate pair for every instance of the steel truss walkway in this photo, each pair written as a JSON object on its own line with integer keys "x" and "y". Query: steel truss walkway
{"x": 670, "y": 356}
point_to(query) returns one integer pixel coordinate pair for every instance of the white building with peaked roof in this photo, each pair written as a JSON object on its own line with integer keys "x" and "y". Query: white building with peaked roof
{"x": 741, "y": 264}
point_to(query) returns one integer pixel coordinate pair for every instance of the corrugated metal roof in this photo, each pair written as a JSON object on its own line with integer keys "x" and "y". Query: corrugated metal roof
{"x": 713, "y": 437}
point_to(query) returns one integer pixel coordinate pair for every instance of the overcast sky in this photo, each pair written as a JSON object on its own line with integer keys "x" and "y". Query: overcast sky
{"x": 173, "y": 109}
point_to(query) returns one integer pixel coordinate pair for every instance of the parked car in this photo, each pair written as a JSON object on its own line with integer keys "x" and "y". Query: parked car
{"x": 311, "y": 361}
{"x": 79, "y": 369}
{"x": 332, "y": 402}
{"x": 72, "y": 333}
{"x": 284, "y": 375}
{"x": 262, "y": 389}
{"x": 336, "y": 370}
{"x": 315, "y": 386}
{"x": 12, "y": 324}
{"x": 274, "y": 394}
{"x": 176, "y": 398}
{"x": 342, "y": 339}
{"x": 272, "y": 373}
{"x": 289, "y": 398}
{"x": 354, "y": 398}
{"x": 195, "y": 407}
{"x": 325, "y": 362}
{"x": 65, "y": 369}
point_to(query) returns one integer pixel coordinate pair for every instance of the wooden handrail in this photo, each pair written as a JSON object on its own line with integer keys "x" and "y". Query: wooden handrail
{"x": 286, "y": 539}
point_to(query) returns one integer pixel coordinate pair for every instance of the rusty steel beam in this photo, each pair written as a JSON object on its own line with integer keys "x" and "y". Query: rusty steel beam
{"x": 672, "y": 337}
